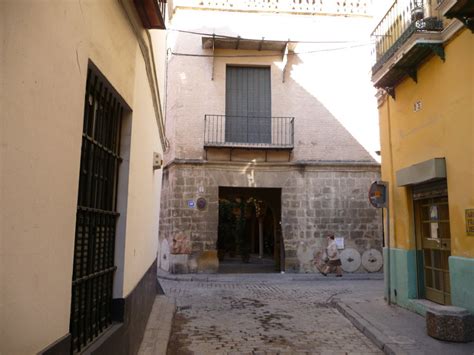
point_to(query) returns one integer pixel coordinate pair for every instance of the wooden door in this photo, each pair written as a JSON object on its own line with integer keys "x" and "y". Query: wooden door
{"x": 433, "y": 231}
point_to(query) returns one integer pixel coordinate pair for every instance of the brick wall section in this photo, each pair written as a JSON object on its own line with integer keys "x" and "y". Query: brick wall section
{"x": 315, "y": 200}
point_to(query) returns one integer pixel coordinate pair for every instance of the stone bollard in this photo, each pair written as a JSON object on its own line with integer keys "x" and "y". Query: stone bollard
{"x": 450, "y": 323}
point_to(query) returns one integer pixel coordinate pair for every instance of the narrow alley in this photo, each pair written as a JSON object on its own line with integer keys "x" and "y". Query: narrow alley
{"x": 236, "y": 177}
{"x": 289, "y": 314}
{"x": 251, "y": 316}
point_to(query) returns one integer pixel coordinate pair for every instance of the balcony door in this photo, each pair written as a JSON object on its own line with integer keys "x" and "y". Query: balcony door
{"x": 248, "y": 105}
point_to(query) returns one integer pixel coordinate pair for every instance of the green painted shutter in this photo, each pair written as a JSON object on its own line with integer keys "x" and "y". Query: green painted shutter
{"x": 248, "y": 105}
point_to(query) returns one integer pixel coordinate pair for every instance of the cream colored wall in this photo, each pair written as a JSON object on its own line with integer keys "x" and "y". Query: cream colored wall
{"x": 444, "y": 127}
{"x": 41, "y": 137}
{"x": 159, "y": 44}
{"x": 144, "y": 187}
{"x": 45, "y": 50}
{"x": 329, "y": 93}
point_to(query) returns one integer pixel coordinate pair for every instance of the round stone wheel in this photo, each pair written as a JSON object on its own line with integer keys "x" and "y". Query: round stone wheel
{"x": 165, "y": 255}
{"x": 350, "y": 259}
{"x": 372, "y": 260}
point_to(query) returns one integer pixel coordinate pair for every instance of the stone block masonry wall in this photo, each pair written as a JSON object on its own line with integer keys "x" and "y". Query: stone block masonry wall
{"x": 318, "y": 202}
{"x": 315, "y": 200}
{"x": 179, "y": 218}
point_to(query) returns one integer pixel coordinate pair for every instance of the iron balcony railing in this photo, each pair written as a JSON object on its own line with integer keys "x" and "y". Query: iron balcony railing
{"x": 152, "y": 13}
{"x": 162, "y": 6}
{"x": 353, "y": 7}
{"x": 404, "y": 18}
{"x": 249, "y": 132}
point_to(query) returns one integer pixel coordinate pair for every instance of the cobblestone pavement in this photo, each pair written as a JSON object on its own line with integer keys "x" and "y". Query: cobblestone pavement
{"x": 262, "y": 317}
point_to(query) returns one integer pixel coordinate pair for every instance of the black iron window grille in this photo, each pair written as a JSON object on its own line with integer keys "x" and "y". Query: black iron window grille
{"x": 93, "y": 269}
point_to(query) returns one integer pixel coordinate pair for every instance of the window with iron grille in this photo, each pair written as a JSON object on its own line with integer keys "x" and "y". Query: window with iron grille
{"x": 94, "y": 267}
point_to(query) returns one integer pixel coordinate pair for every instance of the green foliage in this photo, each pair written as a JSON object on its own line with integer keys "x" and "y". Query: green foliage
{"x": 232, "y": 238}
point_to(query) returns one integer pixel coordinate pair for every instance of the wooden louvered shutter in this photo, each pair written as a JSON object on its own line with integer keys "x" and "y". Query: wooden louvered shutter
{"x": 248, "y": 105}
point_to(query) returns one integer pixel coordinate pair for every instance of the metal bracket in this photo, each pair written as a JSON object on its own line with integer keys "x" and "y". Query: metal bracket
{"x": 238, "y": 42}
{"x": 411, "y": 72}
{"x": 467, "y": 21}
{"x": 436, "y": 48}
{"x": 261, "y": 44}
{"x": 391, "y": 91}
{"x": 463, "y": 16}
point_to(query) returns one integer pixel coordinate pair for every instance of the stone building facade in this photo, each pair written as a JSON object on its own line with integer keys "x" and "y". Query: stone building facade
{"x": 313, "y": 183}
{"x": 315, "y": 200}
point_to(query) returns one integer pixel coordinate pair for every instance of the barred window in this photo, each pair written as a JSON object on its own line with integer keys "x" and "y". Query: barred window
{"x": 94, "y": 267}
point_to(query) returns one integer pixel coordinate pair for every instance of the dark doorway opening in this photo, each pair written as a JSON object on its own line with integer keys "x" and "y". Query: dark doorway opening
{"x": 249, "y": 232}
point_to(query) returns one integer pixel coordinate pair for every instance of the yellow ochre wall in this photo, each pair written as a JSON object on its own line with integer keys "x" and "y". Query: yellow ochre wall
{"x": 444, "y": 127}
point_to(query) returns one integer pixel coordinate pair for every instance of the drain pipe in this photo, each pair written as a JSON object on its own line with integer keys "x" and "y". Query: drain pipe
{"x": 389, "y": 288}
{"x": 389, "y": 298}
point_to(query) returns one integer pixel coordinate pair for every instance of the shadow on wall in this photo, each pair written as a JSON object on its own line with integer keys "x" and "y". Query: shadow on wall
{"x": 322, "y": 133}
{"x": 319, "y": 134}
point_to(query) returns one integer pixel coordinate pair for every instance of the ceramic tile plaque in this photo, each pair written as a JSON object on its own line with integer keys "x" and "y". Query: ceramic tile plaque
{"x": 470, "y": 222}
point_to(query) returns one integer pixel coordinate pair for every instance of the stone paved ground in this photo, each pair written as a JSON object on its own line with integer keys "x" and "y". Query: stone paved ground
{"x": 262, "y": 317}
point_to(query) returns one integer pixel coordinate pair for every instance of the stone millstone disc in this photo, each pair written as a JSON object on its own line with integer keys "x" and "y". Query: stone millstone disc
{"x": 165, "y": 255}
{"x": 350, "y": 259}
{"x": 372, "y": 260}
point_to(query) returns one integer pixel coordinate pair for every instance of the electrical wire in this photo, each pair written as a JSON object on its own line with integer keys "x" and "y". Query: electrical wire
{"x": 177, "y": 54}
{"x": 219, "y": 36}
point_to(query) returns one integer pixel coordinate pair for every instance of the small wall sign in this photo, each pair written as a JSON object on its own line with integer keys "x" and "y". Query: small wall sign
{"x": 417, "y": 106}
{"x": 191, "y": 204}
{"x": 470, "y": 222}
{"x": 339, "y": 242}
{"x": 378, "y": 194}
